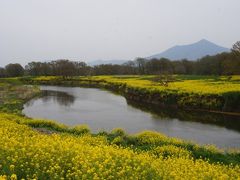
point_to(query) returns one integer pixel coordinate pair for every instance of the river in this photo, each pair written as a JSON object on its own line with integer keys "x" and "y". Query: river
{"x": 103, "y": 110}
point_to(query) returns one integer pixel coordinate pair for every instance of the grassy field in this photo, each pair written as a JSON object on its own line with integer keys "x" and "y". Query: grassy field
{"x": 13, "y": 94}
{"x": 41, "y": 149}
{"x": 189, "y": 92}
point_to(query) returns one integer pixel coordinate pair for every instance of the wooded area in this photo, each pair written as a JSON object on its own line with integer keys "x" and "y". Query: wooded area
{"x": 227, "y": 63}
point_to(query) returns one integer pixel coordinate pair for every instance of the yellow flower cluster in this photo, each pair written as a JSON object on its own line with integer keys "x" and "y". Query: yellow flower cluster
{"x": 172, "y": 151}
{"x": 27, "y": 154}
{"x": 200, "y": 85}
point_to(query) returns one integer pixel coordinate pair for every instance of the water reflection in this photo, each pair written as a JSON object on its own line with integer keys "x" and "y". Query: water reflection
{"x": 61, "y": 98}
{"x": 222, "y": 120}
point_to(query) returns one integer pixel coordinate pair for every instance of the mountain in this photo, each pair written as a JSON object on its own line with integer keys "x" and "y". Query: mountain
{"x": 98, "y": 62}
{"x": 191, "y": 51}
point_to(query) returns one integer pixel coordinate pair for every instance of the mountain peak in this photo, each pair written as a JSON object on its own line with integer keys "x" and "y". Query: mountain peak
{"x": 191, "y": 51}
{"x": 205, "y": 41}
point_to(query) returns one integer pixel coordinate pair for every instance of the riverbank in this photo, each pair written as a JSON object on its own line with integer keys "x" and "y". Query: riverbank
{"x": 74, "y": 152}
{"x": 209, "y": 93}
{"x": 13, "y": 94}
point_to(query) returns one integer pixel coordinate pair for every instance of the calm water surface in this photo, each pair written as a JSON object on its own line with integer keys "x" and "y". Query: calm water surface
{"x": 103, "y": 110}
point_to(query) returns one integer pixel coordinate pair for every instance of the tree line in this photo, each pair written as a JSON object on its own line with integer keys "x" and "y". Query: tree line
{"x": 227, "y": 63}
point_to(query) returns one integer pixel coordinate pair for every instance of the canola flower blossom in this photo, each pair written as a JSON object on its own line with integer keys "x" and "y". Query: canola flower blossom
{"x": 182, "y": 84}
{"x": 28, "y": 154}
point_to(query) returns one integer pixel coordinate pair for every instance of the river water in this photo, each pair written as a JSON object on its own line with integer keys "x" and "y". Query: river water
{"x": 103, "y": 110}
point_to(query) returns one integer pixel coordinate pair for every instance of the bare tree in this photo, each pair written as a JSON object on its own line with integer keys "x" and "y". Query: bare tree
{"x": 236, "y": 48}
{"x": 141, "y": 65}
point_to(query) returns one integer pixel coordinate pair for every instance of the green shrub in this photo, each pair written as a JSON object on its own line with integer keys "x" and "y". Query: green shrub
{"x": 118, "y": 140}
{"x": 232, "y": 101}
{"x": 118, "y": 132}
{"x": 81, "y": 129}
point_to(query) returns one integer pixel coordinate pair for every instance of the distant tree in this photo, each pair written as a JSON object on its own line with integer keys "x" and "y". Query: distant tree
{"x": 14, "y": 70}
{"x": 32, "y": 68}
{"x": 165, "y": 66}
{"x": 141, "y": 65}
{"x": 236, "y": 48}
{"x": 178, "y": 67}
{"x": 129, "y": 67}
{"x": 38, "y": 69}
{"x": 207, "y": 66}
{"x": 159, "y": 66}
{"x": 2, "y": 72}
{"x": 188, "y": 66}
{"x": 230, "y": 63}
{"x": 81, "y": 68}
{"x": 60, "y": 67}
{"x": 152, "y": 66}
{"x": 107, "y": 69}
{"x": 63, "y": 68}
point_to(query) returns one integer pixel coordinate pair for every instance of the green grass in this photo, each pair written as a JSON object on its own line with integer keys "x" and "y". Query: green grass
{"x": 13, "y": 94}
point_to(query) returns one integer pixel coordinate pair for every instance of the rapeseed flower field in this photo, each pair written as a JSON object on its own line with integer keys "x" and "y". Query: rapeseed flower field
{"x": 61, "y": 152}
{"x": 199, "y": 84}
{"x": 181, "y": 83}
{"x": 28, "y": 154}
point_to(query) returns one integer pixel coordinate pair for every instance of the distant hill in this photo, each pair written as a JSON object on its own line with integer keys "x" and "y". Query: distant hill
{"x": 191, "y": 51}
{"x": 98, "y": 62}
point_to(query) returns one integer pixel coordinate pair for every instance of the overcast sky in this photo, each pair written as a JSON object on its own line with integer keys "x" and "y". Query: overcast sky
{"x": 110, "y": 29}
